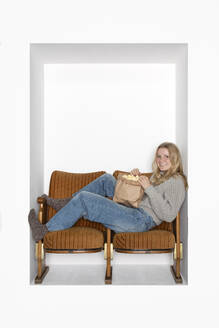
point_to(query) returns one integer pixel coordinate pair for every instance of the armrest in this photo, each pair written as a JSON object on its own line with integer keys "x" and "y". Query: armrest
{"x": 178, "y": 228}
{"x": 42, "y": 210}
{"x": 41, "y": 200}
{"x": 177, "y": 242}
{"x": 108, "y": 241}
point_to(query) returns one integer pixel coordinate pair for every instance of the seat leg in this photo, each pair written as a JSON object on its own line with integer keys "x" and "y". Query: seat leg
{"x": 177, "y": 256}
{"x": 108, "y": 276}
{"x": 176, "y": 271}
{"x": 42, "y": 269}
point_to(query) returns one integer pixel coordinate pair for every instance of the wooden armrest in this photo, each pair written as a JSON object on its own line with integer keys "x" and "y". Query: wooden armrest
{"x": 41, "y": 200}
{"x": 178, "y": 228}
{"x": 42, "y": 210}
{"x": 108, "y": 231}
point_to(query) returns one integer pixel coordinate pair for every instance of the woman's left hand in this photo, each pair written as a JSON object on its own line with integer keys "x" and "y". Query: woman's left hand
{"x": 144, "y": 181}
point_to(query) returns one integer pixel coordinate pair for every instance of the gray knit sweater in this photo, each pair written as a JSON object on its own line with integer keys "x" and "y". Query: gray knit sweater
{"x": 162, "y": 202}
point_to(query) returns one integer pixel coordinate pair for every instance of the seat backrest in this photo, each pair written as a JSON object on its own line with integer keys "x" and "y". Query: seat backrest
{"x": 164, "y": 225}
{"x": 64, "y": 184}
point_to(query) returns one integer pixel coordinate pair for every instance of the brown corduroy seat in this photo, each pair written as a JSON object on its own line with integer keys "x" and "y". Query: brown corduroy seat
{"x": 84, "y": 237}
{"x": 161, "y": 239}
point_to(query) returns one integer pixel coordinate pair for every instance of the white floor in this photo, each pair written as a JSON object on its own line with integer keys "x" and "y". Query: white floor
{"x": 122, "y": 275}
{"x": 89, "y": 269}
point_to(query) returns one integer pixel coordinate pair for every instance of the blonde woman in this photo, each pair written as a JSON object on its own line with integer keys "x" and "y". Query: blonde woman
{"x": 164, "y": 194}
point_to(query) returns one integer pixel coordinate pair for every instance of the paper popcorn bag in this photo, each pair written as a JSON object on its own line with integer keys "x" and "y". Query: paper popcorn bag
{"x": 128, "y": 191}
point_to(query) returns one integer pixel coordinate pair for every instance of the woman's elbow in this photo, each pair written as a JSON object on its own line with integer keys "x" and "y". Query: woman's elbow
{"x": 170, "y": 217}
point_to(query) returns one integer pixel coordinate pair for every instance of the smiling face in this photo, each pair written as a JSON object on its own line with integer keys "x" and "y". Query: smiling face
{"x": 162, "y": 159}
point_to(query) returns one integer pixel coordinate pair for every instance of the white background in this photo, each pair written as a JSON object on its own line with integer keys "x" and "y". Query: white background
{"x": 192, "y": 22}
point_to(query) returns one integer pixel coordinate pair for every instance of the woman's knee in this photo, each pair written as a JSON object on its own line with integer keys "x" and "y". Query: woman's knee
{"x": 84, "y": 198}
{"x": 83, "y": 194}
{"x": 109, "y": 176}
{"x": 87, "y": 197}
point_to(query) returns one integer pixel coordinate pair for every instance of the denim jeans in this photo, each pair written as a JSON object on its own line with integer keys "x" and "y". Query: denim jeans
{"x": 91, "y": 203}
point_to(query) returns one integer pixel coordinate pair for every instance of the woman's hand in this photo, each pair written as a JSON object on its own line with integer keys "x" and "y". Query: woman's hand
{"x": 144, "y": 181}
{"x": 135, "y": 172}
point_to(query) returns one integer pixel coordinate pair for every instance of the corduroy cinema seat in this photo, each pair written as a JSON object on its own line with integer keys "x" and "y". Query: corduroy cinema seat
{"x": 164, "y": 238}
{"x": 84, "y": 237}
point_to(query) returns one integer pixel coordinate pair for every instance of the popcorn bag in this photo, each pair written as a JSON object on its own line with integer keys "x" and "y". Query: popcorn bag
{"x": 128, "y": 191}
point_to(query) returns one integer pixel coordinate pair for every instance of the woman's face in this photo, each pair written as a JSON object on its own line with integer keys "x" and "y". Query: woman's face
{"x": 163, "y": 160}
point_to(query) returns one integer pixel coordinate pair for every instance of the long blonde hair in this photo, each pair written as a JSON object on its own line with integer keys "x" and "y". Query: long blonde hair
{"x": 176, "y": 168}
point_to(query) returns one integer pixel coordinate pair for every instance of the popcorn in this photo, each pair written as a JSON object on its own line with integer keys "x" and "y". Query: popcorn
{"x": 131, "y": 177}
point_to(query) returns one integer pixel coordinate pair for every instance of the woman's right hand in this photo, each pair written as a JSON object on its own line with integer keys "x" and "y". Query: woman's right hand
{"x": 135, "y": 172}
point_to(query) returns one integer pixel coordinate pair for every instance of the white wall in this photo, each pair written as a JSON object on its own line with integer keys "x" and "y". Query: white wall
{"x": 192, "y": 22}
{"x": 106, "y": 116}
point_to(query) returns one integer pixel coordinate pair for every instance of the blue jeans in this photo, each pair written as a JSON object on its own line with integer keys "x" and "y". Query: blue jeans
{"x": 91, "y": 203}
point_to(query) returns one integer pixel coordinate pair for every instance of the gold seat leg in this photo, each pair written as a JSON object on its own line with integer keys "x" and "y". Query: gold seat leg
{"x": 42, "y": 269}
{"x": 108, "y": 256}
{"x": 175, "y": 269}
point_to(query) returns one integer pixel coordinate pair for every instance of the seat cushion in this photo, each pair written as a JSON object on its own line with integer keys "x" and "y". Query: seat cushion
{"x": 75, "y": 238}
{"x": 149, "y": 240}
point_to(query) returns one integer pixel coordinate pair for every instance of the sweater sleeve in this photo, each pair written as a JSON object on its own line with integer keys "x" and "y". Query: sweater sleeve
{"x": 167, "y": 203}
